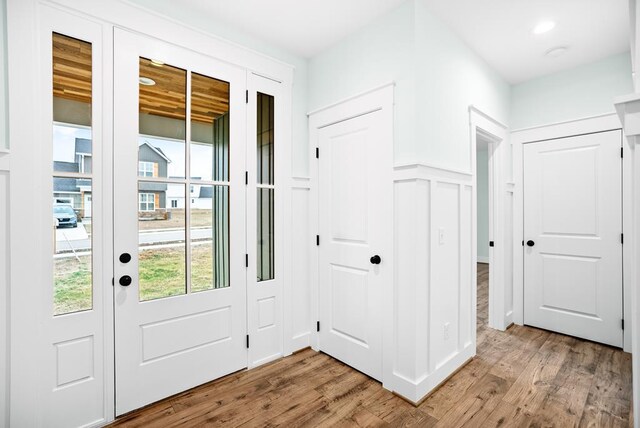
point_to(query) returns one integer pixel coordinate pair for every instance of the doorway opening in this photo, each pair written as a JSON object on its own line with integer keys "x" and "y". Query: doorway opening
{"x": 483, "y": 146}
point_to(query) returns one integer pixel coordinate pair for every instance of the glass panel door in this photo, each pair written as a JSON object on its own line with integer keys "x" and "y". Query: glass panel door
{"x": 179, "y": 209}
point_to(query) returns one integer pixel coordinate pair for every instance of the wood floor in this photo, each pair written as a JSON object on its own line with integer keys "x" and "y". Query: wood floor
{"x": 521, "y": 377}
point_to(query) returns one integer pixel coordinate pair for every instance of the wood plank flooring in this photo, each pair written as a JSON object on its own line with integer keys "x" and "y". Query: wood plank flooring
{"x": 523, "y": 377}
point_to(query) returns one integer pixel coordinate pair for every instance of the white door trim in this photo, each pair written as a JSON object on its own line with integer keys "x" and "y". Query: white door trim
{"x": 378, "y": 99}
{"x": 500, "y": 316}
{"x": 566, "y": 129}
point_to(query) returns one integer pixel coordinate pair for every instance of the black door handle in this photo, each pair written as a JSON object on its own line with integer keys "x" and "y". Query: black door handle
{"x": 125, "y": 258}
{"x": 375, "y": 260}
{"x": 125, "y": 280}
{"x": 530, "y": 243}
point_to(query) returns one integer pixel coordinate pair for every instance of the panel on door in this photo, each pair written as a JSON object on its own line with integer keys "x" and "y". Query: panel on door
{"x": 352, "y": 232}
{"x": 572, "y": 236}
{"x": 179, "y": 211}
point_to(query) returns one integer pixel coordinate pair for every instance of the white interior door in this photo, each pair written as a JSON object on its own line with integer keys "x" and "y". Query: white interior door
{"x": 179, "y": 214}
{"x": 354, "y": 223}
{"x": 572, "y": 236}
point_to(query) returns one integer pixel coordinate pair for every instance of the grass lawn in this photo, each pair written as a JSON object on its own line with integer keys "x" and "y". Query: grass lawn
{"x": 199, "y": 218}
{"x": 162, "y": 274}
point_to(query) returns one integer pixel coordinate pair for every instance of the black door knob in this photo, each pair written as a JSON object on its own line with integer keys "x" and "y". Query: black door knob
{"x": 125, "y": 258}
{"x": 375, "y": 260}
{"x": 530, "y": 243}
{"x": 125, "y": 280}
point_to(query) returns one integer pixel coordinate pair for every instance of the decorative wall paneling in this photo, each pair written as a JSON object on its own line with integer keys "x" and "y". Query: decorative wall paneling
{"x": 298, "y": 309}
{"x": 434, "y": 287}
{"x": 5, "y": 309}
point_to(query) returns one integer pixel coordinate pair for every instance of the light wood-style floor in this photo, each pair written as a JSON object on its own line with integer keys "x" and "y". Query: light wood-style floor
{"x": 521, "y": 377}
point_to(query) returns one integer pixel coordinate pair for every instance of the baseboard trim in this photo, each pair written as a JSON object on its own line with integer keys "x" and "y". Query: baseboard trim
{"x": 445, "y": 380}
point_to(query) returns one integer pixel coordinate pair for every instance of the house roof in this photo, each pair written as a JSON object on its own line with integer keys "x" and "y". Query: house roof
{"x": 65, "y": 184}
{"x": 157, "y": 150}
{"x": 206, "y": 192}
{"x": 60, "y": 166}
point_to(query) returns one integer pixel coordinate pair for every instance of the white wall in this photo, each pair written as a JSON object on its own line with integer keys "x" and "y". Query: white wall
{"x": 379, "y": 53}
{"x": 482, "y": 190}
{"x": 4, "y": 132}
{"x": 450, "y": 77}
{"x": 577, "y": 93}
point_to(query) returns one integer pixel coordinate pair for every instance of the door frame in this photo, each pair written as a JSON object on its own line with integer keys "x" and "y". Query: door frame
{"x": 480, "y": 123}
{"x": 381, "y": 99}
{"x": 588, "y": 125}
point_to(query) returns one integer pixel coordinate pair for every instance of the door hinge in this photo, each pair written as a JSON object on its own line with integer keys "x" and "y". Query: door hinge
{"x": 317, "y": 325}
{"x": 113, "y": 282}
{"x": 523, "y": 243}
{"x": 621, "y": 152}
{"x": 247, "y": 96}
{"x": 491, "y": 243}
{"x": 246, "y": 178}
{"x": 317, "y": 152}
{"x": 622, "y": 238}
{"x": 247, "y": 341}
{"x": 318, "y": 240}
{"x": 622, "y": 322}
{"x": 246, "y": 260}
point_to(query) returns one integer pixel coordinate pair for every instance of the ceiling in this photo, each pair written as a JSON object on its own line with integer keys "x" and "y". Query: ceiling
{"x": 500, "y": 32}
{"x": 302, "y": 27}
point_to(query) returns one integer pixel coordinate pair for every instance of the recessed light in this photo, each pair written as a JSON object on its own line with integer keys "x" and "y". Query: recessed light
{"x": 543, "y": 27}
{"x": 557, "y": 51}
{"x": 146, "y": 81}
{"x": 157, "y": 62}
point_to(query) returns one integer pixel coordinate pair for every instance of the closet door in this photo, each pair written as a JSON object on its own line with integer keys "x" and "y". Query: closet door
{"x": 179, "y": 211}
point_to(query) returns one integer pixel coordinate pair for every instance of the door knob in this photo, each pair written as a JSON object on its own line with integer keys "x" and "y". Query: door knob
{"x": 375, "y": 260}
{"x": 530, "y": 243}
{"x": 125, "y": 280}
{"x": 125, "y": 258}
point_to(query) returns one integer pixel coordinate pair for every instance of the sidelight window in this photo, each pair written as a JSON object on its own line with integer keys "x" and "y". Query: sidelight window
{"x": 265, "y": 187}
{"x": 72, "y": 175}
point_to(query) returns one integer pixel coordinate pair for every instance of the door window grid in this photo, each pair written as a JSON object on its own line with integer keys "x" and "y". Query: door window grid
{"x": 202, "y": 169}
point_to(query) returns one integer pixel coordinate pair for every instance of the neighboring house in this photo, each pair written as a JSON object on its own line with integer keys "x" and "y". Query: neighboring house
{"x": 200, "y": 196}
{"x": 75, "y": 191}
{"x": 152, "y": 162}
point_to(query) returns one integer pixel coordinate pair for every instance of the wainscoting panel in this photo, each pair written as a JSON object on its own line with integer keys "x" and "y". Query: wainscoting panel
{"x": 434, "y": 305}
{"x": 301, "y": 236}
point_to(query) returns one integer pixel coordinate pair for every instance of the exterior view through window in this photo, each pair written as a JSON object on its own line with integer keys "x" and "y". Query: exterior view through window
{"x": 265, "y": 187}
{"x": 183, "y": 182}
{"x": 72, "y": 169}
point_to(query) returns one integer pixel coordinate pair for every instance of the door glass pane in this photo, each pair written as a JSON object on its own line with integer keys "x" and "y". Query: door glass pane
{"x": 209, "y": 128}
{"x": 162, "y": 120}
{"x": 265, "y": 192}
{"x": 210, "y": 238}
{"x": 72, "y": 285}
{"x": 72, "y": 168}
{"x": 161, "y": 238}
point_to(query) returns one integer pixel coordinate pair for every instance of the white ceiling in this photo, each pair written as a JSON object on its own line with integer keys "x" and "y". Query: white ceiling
{"x": 303, "y": 27}
{"x": 500, "y": 32}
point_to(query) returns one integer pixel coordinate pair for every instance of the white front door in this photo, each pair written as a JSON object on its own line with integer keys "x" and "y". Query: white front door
{"x": 354, "y": 223}
{"x": 180, "y": 275}
{"x": 572, "y": 236}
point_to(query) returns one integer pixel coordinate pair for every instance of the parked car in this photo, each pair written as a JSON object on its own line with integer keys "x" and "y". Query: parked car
{"x": 64, "y": 216}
